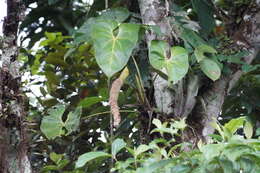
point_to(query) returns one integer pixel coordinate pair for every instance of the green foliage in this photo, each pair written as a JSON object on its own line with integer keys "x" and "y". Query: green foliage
{"x": 113, "y": 50}
{"x": 83, "y": 34}
{"x": 89, "y": 101}
{"x": 73, "y": 120}
{"x": 51, "y": 16}
{"x": 201, "y": 50}
{"x": 205, "y": 12}
{"x": 52, "y": 125}
{"x": 83, "y": 159}
{"x": 118, "y": 14}
{"x": 59, "y": 163}
{"x": 210, "y": 68}
{"x": 117, "y": 145}
{"x": 233, "y": 155}
{"x": 71, "y": 75}
{"x": 176, "y": 65}
{"x": 234, "y": 124}
{"x": 68, "y": 65}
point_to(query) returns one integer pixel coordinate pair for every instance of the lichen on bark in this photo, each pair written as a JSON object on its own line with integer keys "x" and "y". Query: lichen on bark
{"x": 13, "y": 134}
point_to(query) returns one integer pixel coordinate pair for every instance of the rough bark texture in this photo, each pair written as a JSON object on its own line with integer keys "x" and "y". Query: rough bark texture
{"x": 13, "y": 139}
{"x": 191, "y": 100}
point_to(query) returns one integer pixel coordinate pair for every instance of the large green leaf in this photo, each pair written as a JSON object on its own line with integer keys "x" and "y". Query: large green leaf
{"x": 191, "y": 37}
{"x": 117, "y": 145}
{"x": 83, "y": 34}
{"x": 52, "y": 124}
{"x": 210, "y": 68}
{"x": 140, "y": 149}
{"x": 179, "y": 124}
{"x": 84, "y": 158}
{"x": 113, "y": 51}
{"x": 234, "y": 124}
{"x": 176, "y": 65}
{"x": 237, "y": 149}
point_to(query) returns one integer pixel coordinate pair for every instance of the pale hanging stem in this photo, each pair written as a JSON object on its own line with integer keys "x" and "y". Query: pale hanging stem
{"x": 167, "y": 7}
{"x": 106, "y": 4}
{"x": 111, "y": 126}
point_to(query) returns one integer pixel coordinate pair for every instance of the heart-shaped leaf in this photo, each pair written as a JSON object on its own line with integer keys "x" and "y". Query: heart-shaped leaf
{"x": 210, "y": 68}
{"x": 176, "y": 66}
{"x": 113, "y": 51}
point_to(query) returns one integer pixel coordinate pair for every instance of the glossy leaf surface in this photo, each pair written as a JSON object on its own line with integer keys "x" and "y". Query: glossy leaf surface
{"x": 176, "y": 66}
{"x": 83, "y": 159}
{"x": 113, "y": 44}
{"x": 210, "y": 68}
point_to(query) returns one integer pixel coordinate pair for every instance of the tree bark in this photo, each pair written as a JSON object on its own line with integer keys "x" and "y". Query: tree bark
{"x": 13, "y": 138}
{"x": 154, "y": 12}
{"x": 214, "y": 97}
{"x": 200, "y": 106}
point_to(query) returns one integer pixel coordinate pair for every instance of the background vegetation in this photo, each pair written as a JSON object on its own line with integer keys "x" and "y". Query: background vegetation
{"x": 136, "y": 86}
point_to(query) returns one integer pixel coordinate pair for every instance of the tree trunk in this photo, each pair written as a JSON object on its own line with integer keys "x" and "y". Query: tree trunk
{"x": 200, "y": 105}
{"x": 13, "y": 139}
